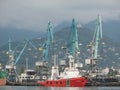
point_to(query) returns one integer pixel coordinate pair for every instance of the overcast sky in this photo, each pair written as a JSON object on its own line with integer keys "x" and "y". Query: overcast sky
{"x": 35, "y": 14}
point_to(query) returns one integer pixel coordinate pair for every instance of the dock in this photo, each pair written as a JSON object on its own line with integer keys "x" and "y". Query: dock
{"x": 103, "y": 82}
{"x": 22, "y": 84}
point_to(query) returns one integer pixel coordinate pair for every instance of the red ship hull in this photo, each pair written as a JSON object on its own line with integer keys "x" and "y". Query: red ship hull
{"x": 72, "y": 82}
{"x": 2, "y": 82}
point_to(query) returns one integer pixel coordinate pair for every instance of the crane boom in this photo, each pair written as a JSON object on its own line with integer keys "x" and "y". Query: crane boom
{"x": 49, "y": 39}
{"x": 31, "y": 43}
{"x": 97, "y": 37}
{"x": 11, "y": 54}
{"x": 10, "y": 45}
{"x": 20, "y": 54}
{"x": 74, "y": 39}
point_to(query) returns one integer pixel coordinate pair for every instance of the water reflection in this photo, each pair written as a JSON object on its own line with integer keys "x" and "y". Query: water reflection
{"x": 71, "y": 88}
{"x": 56, "y": 88}
{"x": 44, "y": 88}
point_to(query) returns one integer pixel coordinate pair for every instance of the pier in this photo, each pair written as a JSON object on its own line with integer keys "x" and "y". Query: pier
{"x": 22, "y": 84}
{"x": 103, "y": 82}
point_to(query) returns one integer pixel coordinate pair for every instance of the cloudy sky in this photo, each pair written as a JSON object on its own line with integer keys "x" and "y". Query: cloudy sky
{"x": 35, "y": 14}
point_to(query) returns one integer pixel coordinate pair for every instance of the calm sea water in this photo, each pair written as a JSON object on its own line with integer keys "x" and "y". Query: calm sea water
{"x": 56, "y": 88}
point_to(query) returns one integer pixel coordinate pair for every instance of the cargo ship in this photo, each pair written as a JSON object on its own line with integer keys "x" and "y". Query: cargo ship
{"x": 2, "y": 76}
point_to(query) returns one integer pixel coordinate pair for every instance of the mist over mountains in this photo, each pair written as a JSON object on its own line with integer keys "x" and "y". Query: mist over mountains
{"x": 16, "y": 34}
{"x": 111, "y": 28}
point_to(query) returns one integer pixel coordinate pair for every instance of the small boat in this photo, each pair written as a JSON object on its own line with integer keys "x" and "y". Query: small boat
{"x": 70, "y": 77}
{"x": 29, "y": 75}
{"x": 2, "y": 76}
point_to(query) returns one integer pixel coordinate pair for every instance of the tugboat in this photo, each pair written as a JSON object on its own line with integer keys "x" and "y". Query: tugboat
{"x": 70, "y": 77}
{"x": 2, "y": 76}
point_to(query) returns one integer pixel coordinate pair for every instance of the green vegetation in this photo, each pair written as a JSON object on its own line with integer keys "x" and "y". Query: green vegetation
{"x": 109, "y": 50}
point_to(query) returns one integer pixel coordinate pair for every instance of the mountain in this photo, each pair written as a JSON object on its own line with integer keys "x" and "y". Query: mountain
{"x": 16, "y": 34}
{"x": 62, "y": 25}
{"x": 111, "y": 28}
{"x": 108, "y": 49}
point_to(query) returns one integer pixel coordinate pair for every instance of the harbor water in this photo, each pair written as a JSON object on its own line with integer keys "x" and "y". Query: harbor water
{"x": 56, "y": 88}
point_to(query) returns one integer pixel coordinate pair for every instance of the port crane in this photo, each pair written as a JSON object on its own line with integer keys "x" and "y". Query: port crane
{"x": 43, "y": 65}
{"x": 72, "y": 47}
{"x": 95, "y": 44}
{"x": 11, "y": 65}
